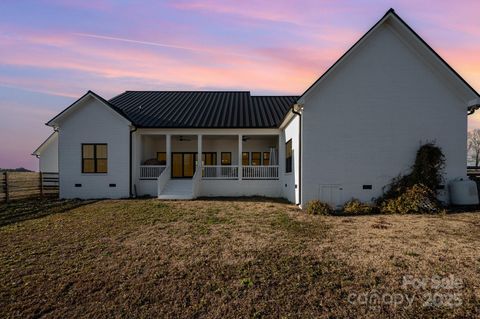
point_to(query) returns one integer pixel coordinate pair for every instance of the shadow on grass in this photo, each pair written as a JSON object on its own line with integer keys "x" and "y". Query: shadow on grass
{"x": 260, "y": 199}
{"x": 22, "y": 210}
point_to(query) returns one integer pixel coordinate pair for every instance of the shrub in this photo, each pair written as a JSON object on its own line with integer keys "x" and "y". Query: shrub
{"x": 355, "y": 206}
{"x": 316, "y": 207}
{"x": 427, "y": 171}
{"x": 418, "y": 199}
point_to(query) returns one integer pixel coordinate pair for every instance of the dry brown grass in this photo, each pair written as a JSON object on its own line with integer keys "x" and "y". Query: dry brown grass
{"x": 214, "y": 258}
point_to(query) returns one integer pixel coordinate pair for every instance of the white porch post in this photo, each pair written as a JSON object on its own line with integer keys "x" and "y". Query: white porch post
{"x": 199, "y": 149}
{"x": 168, "y": 150}
{"x": 240, "y": 151}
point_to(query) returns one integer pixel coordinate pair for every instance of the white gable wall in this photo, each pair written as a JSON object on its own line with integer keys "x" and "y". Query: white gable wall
{"x": 94, "y": 122}
{"x": 48, "y": 156}
{"x": 364, "y": 123}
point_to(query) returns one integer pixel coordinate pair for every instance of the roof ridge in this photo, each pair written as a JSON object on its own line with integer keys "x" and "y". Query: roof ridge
{"x": 187, "y": 91}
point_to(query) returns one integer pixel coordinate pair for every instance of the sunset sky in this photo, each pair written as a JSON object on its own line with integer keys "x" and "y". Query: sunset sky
{"x": 52, "y": 52}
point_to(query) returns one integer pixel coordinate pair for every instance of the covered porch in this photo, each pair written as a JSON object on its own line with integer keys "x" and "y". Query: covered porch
{"x": 229, "y": 162}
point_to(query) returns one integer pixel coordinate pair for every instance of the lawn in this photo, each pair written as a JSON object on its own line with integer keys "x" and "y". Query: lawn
{"x": 246, "y": 258}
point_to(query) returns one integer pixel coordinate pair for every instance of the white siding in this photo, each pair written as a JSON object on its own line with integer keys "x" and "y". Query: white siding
{"x": 222, "y": 188}
{"x": 363, "y": 124}
{"x": 93, "y": 122}
{"x": 235, "y": 188}
{"x": 48, "y": 160}
{"x": 291, "y": 181}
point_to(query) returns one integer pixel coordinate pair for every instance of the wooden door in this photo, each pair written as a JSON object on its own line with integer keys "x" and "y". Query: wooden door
{"x": 183, "y": 165}
{"x": 188, "y": 164}
{"x": 177, "y": 165}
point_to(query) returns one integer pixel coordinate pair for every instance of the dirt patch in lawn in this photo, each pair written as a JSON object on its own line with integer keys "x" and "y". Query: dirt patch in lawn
{"x": 247, "y": 258}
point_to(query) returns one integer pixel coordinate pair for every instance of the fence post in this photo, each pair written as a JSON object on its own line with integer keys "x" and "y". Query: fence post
{"x": 6, "y": 187}
{"x": 41, "y": 184}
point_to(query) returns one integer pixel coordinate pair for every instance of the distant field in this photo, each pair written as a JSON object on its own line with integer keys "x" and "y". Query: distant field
{"x": 248, "y": 258}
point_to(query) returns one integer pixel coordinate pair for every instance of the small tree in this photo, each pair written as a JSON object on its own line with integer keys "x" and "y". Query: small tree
{"x": 474, "y": 145}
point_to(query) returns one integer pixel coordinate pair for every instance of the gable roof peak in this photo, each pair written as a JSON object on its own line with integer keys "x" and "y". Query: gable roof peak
{"x": 391, "y": 14}
{"x": 72, "y": 107}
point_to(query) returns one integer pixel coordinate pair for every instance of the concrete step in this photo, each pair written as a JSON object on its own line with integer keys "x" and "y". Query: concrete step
{"x": 177, "y": 189}
{"x": 176, "y": 196}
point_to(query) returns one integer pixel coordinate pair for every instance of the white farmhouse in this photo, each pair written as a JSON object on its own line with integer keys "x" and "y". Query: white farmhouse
{"x": 358, "y": 126}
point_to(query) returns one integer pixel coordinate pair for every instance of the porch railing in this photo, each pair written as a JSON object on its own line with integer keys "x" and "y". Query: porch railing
{"x": 260, "y": 172}
{"x": 248, "y": 172}
{"x": 151, "y": 171}
{"x": 220, "y": 172}
{"x": 196, "y": 182}
{"x": 163, "y": 179}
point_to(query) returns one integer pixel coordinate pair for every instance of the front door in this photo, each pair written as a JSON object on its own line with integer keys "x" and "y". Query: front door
{"x": 183, "y": 165}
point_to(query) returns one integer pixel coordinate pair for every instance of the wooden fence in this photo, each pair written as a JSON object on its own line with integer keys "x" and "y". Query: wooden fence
{"x": 20, "y": 185}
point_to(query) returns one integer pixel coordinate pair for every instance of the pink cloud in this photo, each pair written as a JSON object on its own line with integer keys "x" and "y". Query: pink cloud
{"x": 163, "y": 45}
{"x": 256, "y": 10}
{"x": 279, "y": 69}
{"x": 291, "y": 12}
{"x": 97, "y": 5}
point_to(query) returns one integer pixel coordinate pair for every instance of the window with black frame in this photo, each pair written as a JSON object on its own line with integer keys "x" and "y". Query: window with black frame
{"x": 256, "y": 158}
{"x": 245, "y": 158}
{"x": 288, "y": 156}
{"x": 209, "y": 158}
{"x": 226, "y": 158}
{"x": 162, "y": 158}
{"x": 266, "y": 158}
{"x": 94, "y": 158}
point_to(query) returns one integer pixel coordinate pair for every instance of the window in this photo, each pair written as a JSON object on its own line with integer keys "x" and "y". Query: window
{"x": 245, "y": 158}
{"x": 226, "y": 158}
{"x": 266, "y": 158}
{"x": 256, "y": 158}
{"x": 288, "y": 156}
{"x": 209, "y": 158}
{"x": 94, "y": 158}
{"x": 162, "y": 158}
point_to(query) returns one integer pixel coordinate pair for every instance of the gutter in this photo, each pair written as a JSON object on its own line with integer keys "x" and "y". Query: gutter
{"x": 473, "y": 105}
{"x": 296, "y": 108}
{"x": 130, "y": 164}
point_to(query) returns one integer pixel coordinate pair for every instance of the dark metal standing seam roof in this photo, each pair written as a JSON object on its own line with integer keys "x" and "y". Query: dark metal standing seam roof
{"x": 202, "y": 109}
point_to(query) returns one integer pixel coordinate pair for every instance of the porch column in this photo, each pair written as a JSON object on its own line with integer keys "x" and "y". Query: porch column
{"x": 199, "y": 149}
{"x": 240, "y": 151}
{"x": 168, "y": 150}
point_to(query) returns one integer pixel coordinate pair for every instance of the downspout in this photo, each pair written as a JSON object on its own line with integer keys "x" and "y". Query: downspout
{"x": 295, "y": 110}
{"x": 130, "y": 166}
